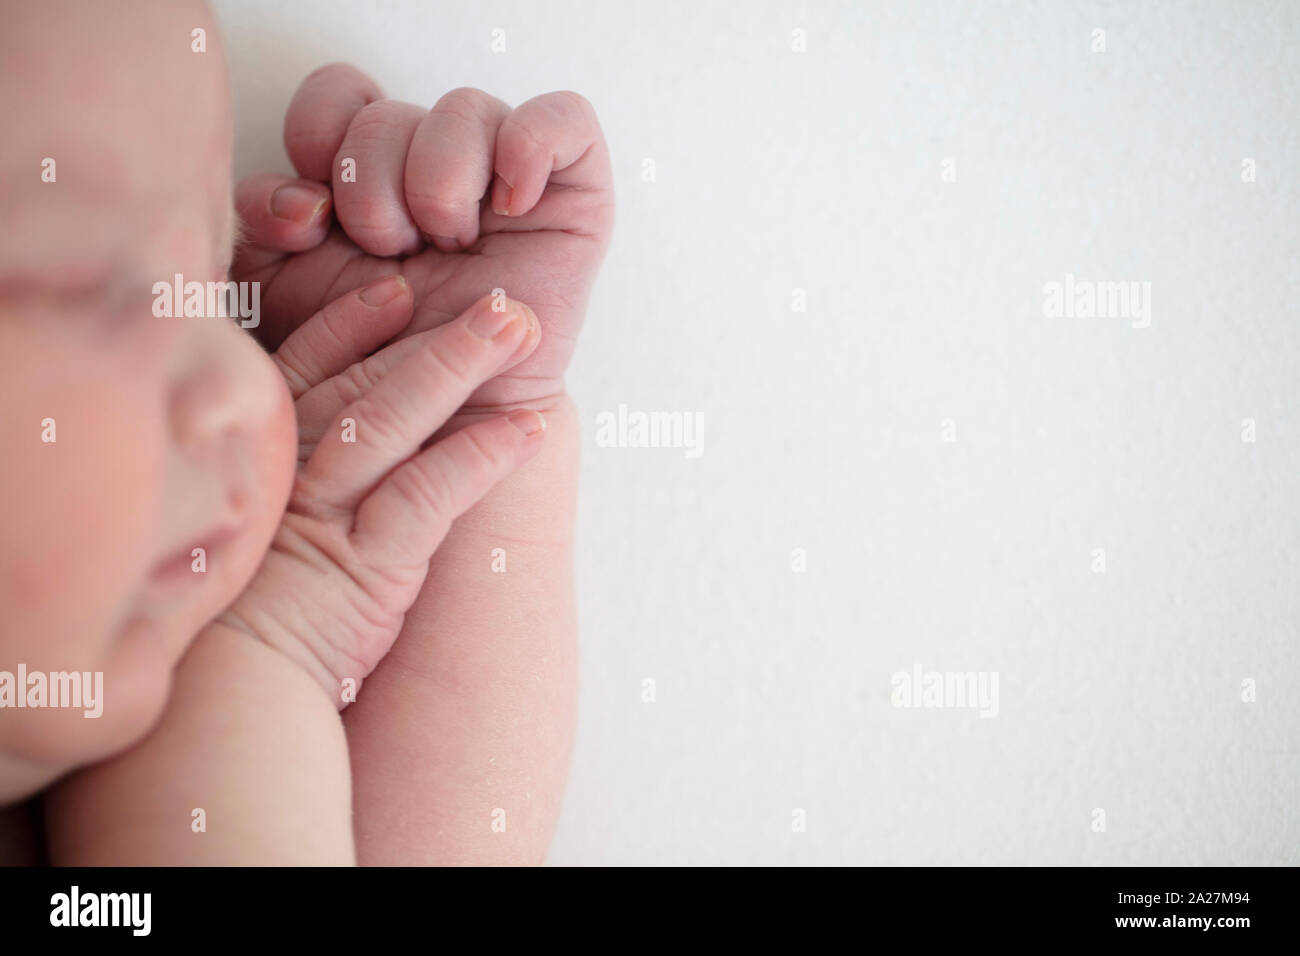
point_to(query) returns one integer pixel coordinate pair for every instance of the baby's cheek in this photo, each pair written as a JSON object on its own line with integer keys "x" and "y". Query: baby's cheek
{"x": 274, "y": 442}
{"x": 78, "y": 512}
{"x": 282, "y": 440}
{"x": 251, "y": 460}
{"x": 75, "y": 523}
{"x": 139, "y": 672}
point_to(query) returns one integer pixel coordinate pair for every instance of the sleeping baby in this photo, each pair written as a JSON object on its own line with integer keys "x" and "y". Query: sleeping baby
{"x": 291, "y": 582}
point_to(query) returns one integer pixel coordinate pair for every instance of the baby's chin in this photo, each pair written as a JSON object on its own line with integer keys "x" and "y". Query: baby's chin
{"x": 70, "y": 719}
{"x": 116, "y": 704}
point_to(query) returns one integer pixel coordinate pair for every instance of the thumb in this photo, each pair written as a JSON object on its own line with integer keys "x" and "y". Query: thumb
{"x": 280, "y": 215}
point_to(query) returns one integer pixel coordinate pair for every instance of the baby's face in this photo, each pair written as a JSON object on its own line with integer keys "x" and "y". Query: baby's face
{"x": 128, "y": 440}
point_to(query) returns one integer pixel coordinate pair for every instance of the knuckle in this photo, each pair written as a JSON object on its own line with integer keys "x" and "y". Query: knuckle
{"x": 378, "y": 422}
{"x": 467, "y": 104}
{"x": 344, "y": 391}
{"x": 453, "y": 359}
{"x": 333, "y": 339}
{"x": 578, "y": 104}
{"x": 484, "y": 454}
{"x": 309, "y": 491}
{"x": 524, "y": 137}
{"x": 425, "y": 485}
{"x": 356, "y": 380}
{"x": 288, "y": 363}
{"x": 378, "y": 120}
{"x": 337, "y": 68}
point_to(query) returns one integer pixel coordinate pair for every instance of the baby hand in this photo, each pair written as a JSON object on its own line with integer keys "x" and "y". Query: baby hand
{"x": 465, "y": 198}
{"x": 368, "y": 506}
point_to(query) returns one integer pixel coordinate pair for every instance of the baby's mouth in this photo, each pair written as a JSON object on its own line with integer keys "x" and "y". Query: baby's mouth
{"x": 189, "y": 564}
{"x": 193, "y": 557}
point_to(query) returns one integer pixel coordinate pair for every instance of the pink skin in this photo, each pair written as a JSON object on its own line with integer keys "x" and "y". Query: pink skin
{"x": 171, "y": 433}
{"x": 524, "y": 198}
{"x": 368, "y": 507}
{"x": 478, "y": 668}
{"x": 179, "y": 433}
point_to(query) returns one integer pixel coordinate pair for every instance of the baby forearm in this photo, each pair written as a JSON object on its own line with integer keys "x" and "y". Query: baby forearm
{"x": 248, "y": 765}
{"x": 461, "y": 737}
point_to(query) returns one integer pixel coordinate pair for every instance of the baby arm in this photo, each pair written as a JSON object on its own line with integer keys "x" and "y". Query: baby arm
{"x": 251, "y": 735}
{"x": 248, "y": 765}
{"x": 461, "y": 741}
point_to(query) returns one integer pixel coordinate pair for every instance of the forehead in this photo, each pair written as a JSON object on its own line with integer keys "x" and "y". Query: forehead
{"x": 117, "y": 140}
{"x": 93, "y": 69}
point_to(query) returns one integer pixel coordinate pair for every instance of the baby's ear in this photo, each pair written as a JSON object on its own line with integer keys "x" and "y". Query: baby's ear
{"x": 319, "y": 115}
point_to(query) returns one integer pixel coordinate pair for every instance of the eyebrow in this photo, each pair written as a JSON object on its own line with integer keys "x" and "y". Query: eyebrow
{"x": 108, "y": 278}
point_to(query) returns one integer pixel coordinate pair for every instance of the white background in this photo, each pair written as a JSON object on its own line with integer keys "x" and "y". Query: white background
{"x": 821, "y": 171}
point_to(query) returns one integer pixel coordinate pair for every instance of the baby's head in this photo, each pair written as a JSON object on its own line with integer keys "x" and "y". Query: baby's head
{"x": 128, "y": 440}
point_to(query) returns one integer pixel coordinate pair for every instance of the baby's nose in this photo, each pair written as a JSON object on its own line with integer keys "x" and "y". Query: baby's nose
{"x": 225, "y": 391}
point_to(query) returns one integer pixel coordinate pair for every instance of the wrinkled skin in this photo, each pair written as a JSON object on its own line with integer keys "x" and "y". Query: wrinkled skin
{"x": 426, "y": 174}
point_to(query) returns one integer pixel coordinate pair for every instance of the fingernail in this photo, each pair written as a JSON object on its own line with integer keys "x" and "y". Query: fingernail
{"x": 527, "y": 421}
{"x": 294, "y": 202}
{"x": 385, "y": 290}
{"x": 490, "y": 324}
{"x": 501, "y": 197}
